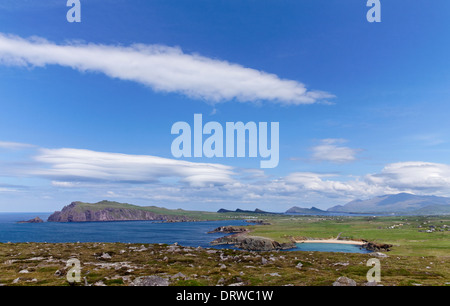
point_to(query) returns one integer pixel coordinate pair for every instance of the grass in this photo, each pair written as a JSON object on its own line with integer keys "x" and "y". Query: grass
{"x": 407, "y": 239}
{"x": 193, "y": 215}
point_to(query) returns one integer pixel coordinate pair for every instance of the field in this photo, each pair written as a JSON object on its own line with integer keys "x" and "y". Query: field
{"x": 408, "y": 234}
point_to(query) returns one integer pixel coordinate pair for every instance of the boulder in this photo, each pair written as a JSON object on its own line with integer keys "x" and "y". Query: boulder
{"x": 151, "y": 280}
{"x": 344, "y": 281}
{"x": 376, "y": 247}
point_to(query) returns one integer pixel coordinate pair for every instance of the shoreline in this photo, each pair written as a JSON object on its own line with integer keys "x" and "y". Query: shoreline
{"x": 331, "y": 241}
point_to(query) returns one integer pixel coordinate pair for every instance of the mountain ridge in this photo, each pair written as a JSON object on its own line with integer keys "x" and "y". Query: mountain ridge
{"x": 401, "y": 203}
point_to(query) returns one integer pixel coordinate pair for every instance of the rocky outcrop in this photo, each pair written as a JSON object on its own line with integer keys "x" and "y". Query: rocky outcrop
{"x": 377, "y": 247}
{"x": 344, "y": 281}
{"x": 229, "y": 230}
{"x": 258, "y": 222}
{"x": 151, "y": 280}
{"x": 79, "y": 212}
{"x": 34, "y": 220}
{"x": 253, "y": 243}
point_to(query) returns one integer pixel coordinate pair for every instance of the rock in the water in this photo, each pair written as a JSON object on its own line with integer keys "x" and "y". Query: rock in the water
{"x": 151, "y": 280}
{"x": 344, "y": 281}
{"x": 229, "y": 229}
{"x": 34, "y": 220}
{"x": 252, "y": 243}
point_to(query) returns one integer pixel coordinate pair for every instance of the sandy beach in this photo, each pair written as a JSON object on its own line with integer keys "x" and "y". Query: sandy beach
{"x": 330, "y": 241}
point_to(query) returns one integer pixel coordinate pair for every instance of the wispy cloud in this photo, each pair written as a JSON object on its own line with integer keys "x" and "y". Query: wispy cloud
{"x": 87, "y": 173}
{"x": 68, "y": 165}
{"x": 162, "y": 68}
{"x": 332, "y": 150}
{"x": 14, "y": 145}
{"x": 430, "y": 139}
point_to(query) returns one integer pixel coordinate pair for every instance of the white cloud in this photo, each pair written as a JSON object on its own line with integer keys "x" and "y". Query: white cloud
{"x": 414, "y": 175}
{"x": 2, "y": 189}
{"x": 91, "y": 174}
{"x": 161, "y": 68}
{"x": 14, "y": 145}
{"x": 330, "y": 150}
{"x": 65, "y": 184}
{"x": 335, "y": 186}
{"x": 68, "y": 165}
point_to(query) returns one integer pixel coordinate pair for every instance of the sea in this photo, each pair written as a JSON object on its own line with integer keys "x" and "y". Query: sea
{"x": 192, "y": 234}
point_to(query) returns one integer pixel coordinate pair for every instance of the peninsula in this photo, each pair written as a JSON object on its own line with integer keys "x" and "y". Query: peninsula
{"x": 115, "y": 211}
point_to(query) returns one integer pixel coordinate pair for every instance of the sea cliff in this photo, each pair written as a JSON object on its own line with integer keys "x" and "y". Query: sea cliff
{"x": 110, "y": 211}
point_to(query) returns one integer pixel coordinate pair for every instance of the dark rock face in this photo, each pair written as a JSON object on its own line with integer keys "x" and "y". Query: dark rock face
{"x": 252, "y": 243}
{"x": 73, "y": 213}
{"x": 258, "y": 222}
{"x": 228, "y": 229}
{"x": 376, "y": 247}
{"x": 34, "y": 220}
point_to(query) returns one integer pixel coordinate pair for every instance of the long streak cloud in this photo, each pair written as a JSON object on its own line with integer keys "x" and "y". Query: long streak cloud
{"x": 161, "y": 68}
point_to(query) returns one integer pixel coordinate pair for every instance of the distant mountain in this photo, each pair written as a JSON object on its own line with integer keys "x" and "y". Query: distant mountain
{"x": 256, "y": 211}
{"x": 401, "y": 203}
{"x": 300, "y": 210}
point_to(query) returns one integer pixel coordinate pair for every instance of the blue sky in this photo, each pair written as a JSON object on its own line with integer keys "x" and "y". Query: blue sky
{"x": 73, "y": 129}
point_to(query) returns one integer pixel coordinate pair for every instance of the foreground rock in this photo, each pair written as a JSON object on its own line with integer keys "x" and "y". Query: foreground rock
{"x": 253, "y": 243}
{"x": 344, "y": 281}
{"x": 151, "y": 280}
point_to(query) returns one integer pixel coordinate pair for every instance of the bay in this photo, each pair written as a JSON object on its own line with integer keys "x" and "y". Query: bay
{"x": 192, "y": 234}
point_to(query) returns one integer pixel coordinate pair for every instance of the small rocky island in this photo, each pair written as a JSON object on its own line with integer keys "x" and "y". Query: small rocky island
{"x": 113, "y": 211}
{"x": 34, "y": 220}
{"x": 241, "y": 239}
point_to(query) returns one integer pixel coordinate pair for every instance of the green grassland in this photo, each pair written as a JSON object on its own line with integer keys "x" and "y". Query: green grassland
{"x": 191, "y": 214}
{"x": 403, "y": 232}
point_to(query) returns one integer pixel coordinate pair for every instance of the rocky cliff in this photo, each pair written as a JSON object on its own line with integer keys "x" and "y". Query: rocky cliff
{"x": 252, "y": 243}
{"x": 109, "y": 211}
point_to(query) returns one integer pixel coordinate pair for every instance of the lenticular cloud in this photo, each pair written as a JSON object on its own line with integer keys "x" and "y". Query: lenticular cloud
{"x": 69, "y": 165}
{"x": 162, "y": 68}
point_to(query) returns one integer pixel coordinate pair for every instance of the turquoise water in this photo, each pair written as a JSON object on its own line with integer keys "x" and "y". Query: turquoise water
{"x": 330, "y": 247}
